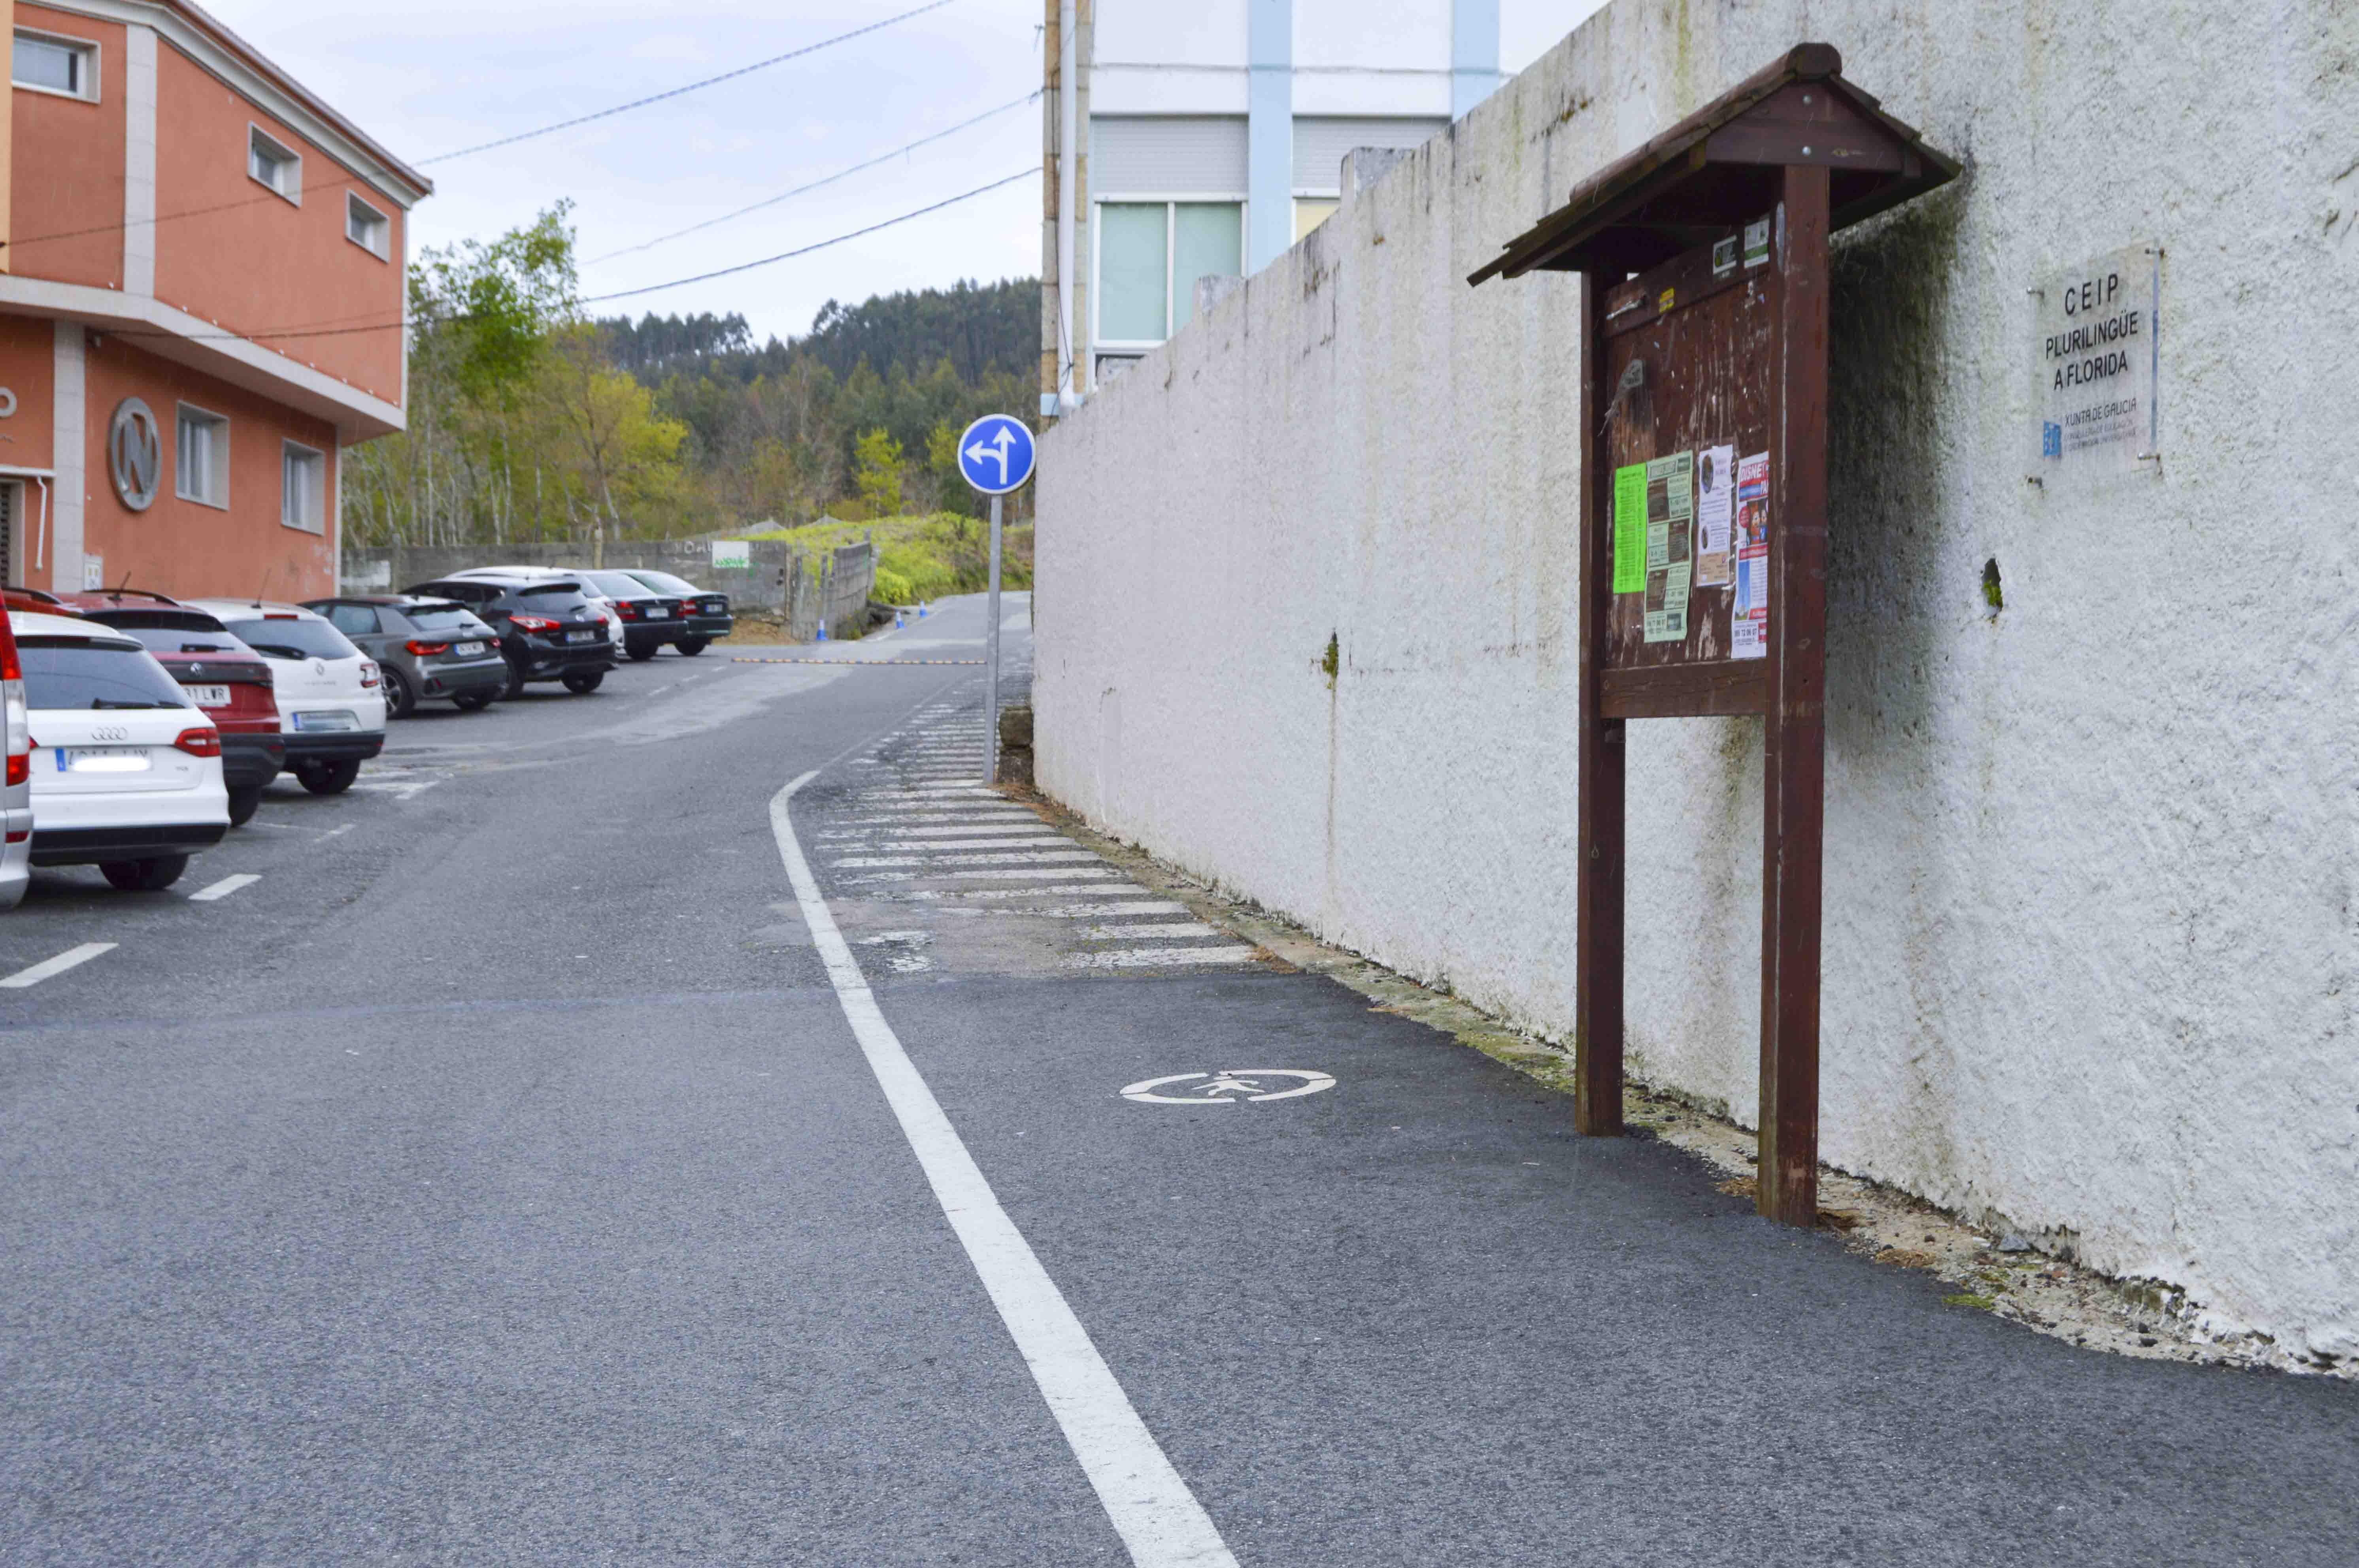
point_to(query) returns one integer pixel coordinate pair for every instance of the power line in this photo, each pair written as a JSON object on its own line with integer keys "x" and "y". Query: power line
{"x": 1032, "y": 96}
{"x": 691, "y": 87}
{"x": 257, "y": 337}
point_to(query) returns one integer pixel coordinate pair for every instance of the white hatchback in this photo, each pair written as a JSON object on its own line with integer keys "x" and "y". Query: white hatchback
{"x": 330, "y": 695}
{"x": 126, "y": 774}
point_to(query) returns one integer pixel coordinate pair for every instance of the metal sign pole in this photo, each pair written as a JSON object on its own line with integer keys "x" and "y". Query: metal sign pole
{"x": 991, "y": 662}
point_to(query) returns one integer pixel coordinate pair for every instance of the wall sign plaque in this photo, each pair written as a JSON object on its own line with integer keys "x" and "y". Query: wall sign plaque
{"x": 134, "y": 453}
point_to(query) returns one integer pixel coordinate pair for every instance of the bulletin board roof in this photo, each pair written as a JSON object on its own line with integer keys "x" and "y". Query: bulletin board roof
{"x": 1711, "y": 169}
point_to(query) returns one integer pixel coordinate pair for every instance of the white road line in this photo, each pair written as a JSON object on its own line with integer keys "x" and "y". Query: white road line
{"x": 1032, "y": 842}
{"x": 68, "y": 959}
{"x": 1152, "y": 1509}
{"x": 1160, "y": 928}
{"x": 1030, "y": 857}
{"x": 1157, "y": 957}
{"x": 224, "y": 887}
{"x": 995, "y": 875}
{"x": 946, "y": 835}
{"x": 1114, "y": 890}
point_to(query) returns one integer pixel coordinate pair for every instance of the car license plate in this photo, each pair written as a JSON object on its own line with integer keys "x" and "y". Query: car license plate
{"x": 208, "y": 696}
{"x": 468, "y": 650}
{"x": 658, "y": 613}
{"x": 313, "y": 722}
{"x": 582, "y": 637}
{"x": 102, "y": 760}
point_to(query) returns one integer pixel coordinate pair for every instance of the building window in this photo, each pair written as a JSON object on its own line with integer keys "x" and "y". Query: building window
{"x": 1309, "y": 212}
{"x": 1150, "y": 254}
{"x": 273, "y": 163}
{"x": 303, "y": 501}
{"x": 367, "y": 228}
{"x": 47, "y": 63}
{"x": 200, "y": 460}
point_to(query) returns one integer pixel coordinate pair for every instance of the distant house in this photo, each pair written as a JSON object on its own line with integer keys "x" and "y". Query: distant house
{"x": 1209, "y": 139}
{"x": 200, "y": 305}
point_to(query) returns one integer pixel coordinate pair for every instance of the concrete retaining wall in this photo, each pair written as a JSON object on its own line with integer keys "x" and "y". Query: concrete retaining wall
{"x": 2091, "y": 937}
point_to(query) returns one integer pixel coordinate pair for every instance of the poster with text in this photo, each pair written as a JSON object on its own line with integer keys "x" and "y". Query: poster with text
{"x": 1715, "y": 515}
{"x": 1749, "y": 615}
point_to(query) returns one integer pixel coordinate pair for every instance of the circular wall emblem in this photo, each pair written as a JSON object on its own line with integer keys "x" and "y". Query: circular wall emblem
{"x": 1234, "y": 1087}
{"x": 134, "y": 453}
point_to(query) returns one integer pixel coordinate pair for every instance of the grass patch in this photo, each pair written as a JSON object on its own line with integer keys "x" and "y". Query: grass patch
{"x": 1967, "y": 1299}
{"x": 923, "y": 557}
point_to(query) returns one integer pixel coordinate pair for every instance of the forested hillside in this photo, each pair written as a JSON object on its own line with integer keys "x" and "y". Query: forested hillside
{"x": 528, "y": 420}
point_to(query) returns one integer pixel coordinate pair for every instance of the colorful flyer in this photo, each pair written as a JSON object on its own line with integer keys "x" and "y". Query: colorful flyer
{"x": 1630, "y": 529}
{"x": 1716, "y": 512}
{"x": 1749, "y": 614}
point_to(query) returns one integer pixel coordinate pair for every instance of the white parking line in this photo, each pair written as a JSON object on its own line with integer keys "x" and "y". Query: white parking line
{"x": 1152, "y": 928}
{"x": 1158, "y": 957}
{"x": 1033, "y": 841}
{"x": 1028, "y": 856}
{"x": 66, "y": 960}
{"x": 1157, "y": 1516}
{"x": 224, "y": 887}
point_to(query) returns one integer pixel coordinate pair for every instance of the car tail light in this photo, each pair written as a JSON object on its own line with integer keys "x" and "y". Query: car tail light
{"x": 18, "y": 722}
{"x": 368, "y": 674}
{"x": 534, "y": 623}
{"x": 423, "y": 649}
{"x": 199, "y": 742}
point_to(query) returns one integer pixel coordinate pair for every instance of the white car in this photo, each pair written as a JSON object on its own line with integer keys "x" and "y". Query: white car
{"x": 330, "y": 695}
{"x": 598, "y": 602}
{"x": 126, "y": 774}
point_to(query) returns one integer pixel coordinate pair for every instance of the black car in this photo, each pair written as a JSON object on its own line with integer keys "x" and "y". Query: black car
{"x": 548, "y": 630}
{"x": 708, "y": 613}
{"x": 651, "y": 618}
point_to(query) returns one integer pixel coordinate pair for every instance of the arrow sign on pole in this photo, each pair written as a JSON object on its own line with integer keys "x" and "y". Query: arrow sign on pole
{"x": 996, "y": 454}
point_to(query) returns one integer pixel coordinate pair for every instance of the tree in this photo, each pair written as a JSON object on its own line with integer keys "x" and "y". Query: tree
{"x": 876, "y": 472}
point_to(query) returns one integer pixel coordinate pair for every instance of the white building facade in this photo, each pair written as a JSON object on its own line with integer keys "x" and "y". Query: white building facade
{"x": 1211, "y": 138}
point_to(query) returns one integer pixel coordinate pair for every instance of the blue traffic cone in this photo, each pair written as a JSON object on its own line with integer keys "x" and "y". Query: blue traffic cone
{"x": 924, "y": 610}
{"x": 900, "y": 621}
{"x": 822, "y": 631}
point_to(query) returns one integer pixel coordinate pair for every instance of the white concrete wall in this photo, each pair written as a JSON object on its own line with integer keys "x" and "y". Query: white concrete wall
{"x": 2090, "y": 938}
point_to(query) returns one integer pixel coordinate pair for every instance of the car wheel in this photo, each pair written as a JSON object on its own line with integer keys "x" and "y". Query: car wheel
{"x": 582, "y": 682}
{"x": 515, "y": 687}
{"x": 639, "y": 650}
{"x": 693, "y": 646}
{"x": 242, "y": 804}
{"x": 470, "y": 701}
{"x": 332, "y": 778}
{"x": 144, "y": 876}
{"x": 400, "y": 702}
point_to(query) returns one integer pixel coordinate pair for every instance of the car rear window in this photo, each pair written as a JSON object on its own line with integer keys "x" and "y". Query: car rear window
{"x": 63, "y": 672}
{"x": 664, "y": 582}
{"x": 553, "y": 596}
{"x": 177, "y": 639}
{"x": 441, "y": 618}
{"x": 293, "y": 638}
{"x": 618, "y": 584}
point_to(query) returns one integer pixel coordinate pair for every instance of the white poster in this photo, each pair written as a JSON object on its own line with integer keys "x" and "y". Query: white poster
{"x": 2094, "y": 365}
{"x": 1715, "y": 510}
{"x": 731, "y": 554}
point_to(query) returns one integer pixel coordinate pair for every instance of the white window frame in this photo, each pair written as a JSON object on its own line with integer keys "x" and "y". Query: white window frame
{"x": 316, "y": 498}
{"x": 255, "y": 136}
{"x": 219, "y": 422}
{"x": 87, "y": 47}
{"x": 1170, "y": 258}
{"x": 383, "y": 223}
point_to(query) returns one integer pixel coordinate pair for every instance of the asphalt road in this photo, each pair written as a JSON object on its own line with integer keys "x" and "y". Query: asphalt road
{"x": 500, "y": 1177}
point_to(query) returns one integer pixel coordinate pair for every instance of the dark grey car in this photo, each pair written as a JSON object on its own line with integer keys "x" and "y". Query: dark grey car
{"x": 429, "y": 649}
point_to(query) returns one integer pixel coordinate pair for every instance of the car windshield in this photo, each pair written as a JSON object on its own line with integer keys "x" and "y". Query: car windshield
{"x": 65, "y": 671}
{"x": 442, "y": 617}
{"x": 286, "y": 637}
{"x": 172, "y": 631}
{"x": 664, "y": 582}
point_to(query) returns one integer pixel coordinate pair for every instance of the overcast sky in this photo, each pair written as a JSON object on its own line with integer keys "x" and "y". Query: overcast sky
{"x": 425, "y": 77}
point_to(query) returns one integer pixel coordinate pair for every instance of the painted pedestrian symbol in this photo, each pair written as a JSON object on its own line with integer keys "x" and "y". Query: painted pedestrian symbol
{"x": 996, "y": 454}
{"x": 1234, "y": 1086}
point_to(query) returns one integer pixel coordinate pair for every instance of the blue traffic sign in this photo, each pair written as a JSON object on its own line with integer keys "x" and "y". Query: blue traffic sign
{"x": 996, "y": 453}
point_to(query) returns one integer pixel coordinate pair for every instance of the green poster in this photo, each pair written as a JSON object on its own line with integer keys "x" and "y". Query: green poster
{"x": 1630, "y": 529}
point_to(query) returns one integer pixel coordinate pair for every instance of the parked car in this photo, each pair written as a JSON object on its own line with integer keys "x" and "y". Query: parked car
{"x": 708, "y": 613}
{"x": 330, "y": 695}
{"x": 16, "y": 793}
{"x": 651, "y": 618}
{"x": 606, "y": 612}
{"x": 426, "y": 648}
{"x": 34, "y": 599}
{"x": 548, "y": 630}
{"x": 228, "y": 680}
{"x": 124, "y": 771}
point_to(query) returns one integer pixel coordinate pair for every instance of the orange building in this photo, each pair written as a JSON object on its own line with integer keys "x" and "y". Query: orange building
{"x": 200, "y": 291}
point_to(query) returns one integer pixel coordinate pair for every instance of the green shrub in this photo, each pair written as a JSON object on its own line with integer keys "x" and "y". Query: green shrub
{"x": 931, "y": 556}
{"x": 892, "y": 587}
